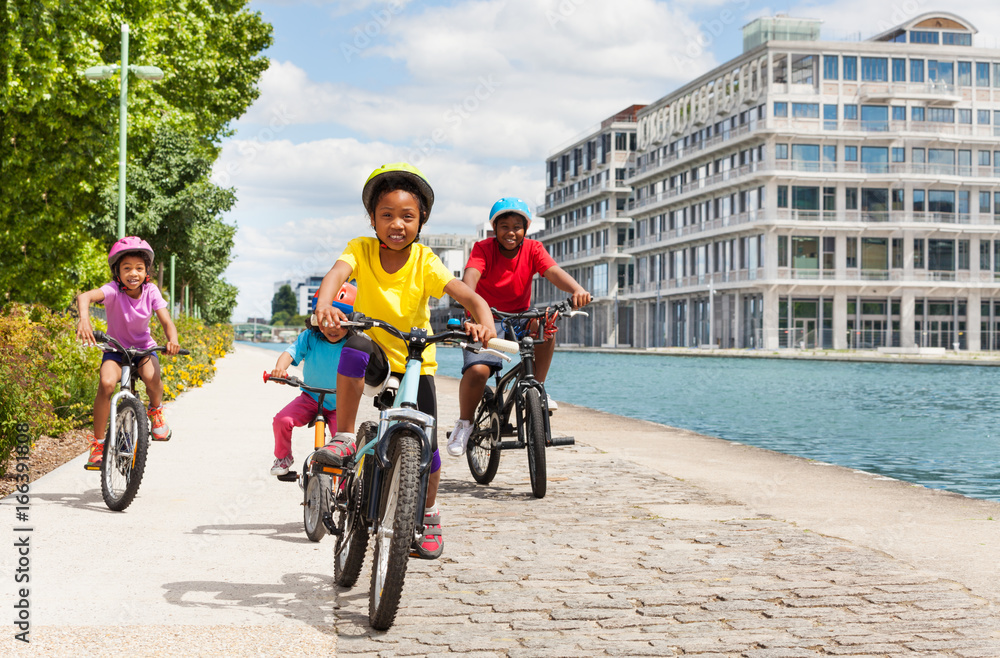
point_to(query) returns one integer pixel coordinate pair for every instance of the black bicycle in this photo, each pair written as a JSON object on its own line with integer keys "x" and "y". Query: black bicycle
{"x": 381, "y": 491}
{"x": 517, "y": 392}
{"x": 316, "y": 481}
{"x": 126, "y": 441}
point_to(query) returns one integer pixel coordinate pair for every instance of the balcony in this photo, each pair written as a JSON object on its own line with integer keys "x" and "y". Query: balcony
{"x": 592, "y": 221}
{"x": 882, "y": 217}
{"x": 594, "y": 253}
{"x": 868, "y": 169}
{"x": 834, "y": 127}
{"x": 581, "y": 194}
{"x": 701, "y": 184}
{"x": 934, "y": 93}
{"x": 652, "y": 168}
{"x": 656, "y": 239}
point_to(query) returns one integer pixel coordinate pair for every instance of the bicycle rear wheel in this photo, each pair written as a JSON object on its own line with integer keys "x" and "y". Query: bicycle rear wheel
{"x": 124, "y": 459}
{"x": 395, "y": 531}
{"x": 317, "y": 501}
{"x": 483, "y": 450}
{"x": 534, "y": 434}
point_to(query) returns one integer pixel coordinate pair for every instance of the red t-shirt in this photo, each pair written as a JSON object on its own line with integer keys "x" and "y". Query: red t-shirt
{"x": 506, "y": 282}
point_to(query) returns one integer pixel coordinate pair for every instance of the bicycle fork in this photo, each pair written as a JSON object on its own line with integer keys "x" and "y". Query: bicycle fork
{"x": 391, "y": 423}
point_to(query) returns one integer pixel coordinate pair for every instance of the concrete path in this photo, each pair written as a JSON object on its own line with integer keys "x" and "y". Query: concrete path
{"x": 651, "y": 541}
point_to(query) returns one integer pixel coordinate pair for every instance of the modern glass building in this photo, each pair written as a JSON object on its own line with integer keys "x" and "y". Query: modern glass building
{"x": 810, "y": 193}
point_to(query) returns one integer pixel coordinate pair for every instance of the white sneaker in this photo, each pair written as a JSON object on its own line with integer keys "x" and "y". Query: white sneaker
{"x": 282, "y": 465}
{"x": 459, "y": 438}
{"x": 552, "y": 404}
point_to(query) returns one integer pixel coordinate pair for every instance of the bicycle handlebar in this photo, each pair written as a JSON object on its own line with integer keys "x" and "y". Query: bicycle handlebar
{"x": 292, "y": 380}
{"x": 109, "y": 344}
{"x": 496, "y": 344}
{"x": 564, "y": 308}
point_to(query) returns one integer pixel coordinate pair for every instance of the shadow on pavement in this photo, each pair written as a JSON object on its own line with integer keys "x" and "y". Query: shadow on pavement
{"x": 288, "y": 532}
{"x": 90, "y": 499}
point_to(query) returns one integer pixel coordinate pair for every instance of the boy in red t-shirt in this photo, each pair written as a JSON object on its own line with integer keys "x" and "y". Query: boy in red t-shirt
{"x": 500, "y": 270}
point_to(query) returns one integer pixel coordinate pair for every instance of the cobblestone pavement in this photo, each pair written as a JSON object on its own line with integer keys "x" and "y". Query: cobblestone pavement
{"x": 622, "y": 560}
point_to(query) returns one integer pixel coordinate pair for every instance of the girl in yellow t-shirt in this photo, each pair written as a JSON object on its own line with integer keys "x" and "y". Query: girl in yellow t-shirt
{"x": 395, "y": 276}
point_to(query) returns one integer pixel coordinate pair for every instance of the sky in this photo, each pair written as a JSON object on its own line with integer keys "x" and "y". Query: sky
{"x": 476, "y": 93}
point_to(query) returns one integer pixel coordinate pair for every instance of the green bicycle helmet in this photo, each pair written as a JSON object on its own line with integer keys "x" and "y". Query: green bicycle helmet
{"x": 404, "y": 170}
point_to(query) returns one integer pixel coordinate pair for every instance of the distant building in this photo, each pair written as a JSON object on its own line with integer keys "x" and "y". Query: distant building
{"x": 453, "y": 250}
{"x": 804, "y": 194}
{"x": 304, "y": 290}
{"x": 587, "y": 226}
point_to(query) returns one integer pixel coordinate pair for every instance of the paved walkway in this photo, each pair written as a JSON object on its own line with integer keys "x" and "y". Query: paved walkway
{"x": 650, "y": 541}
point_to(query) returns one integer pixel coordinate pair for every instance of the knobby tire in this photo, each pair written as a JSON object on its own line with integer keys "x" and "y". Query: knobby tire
{"x": 534, "y": 434}
{"x": 396, "y": 530}
{"x": 483, "y": 450}
{"x": 124, "y": 460}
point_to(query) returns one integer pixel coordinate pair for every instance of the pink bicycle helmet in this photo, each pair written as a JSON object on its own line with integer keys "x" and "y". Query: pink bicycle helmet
{"x": 127, "y": 244}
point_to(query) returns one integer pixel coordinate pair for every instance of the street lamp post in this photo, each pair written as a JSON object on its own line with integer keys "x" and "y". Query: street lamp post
{"x": 141, "y": 72}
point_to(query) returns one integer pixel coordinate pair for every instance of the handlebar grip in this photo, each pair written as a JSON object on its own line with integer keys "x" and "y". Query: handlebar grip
{"x": 183, "y": 352}
{"x": 501, "y": 345}
{"x": 100, "y": 336}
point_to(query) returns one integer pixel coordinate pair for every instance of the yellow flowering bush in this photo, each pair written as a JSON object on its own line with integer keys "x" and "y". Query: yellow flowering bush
{"x": 207, "y": 343}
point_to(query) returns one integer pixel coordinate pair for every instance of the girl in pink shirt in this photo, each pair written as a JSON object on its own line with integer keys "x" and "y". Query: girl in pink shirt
{"x": 130, "y": 300}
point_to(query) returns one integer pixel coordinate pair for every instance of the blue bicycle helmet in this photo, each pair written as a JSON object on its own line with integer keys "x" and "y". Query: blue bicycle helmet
{"x": 510, "y": 204}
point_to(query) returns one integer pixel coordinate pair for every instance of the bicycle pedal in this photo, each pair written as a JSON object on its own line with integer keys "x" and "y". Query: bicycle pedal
{"x": 562, "y": 441}
{"x": 290, "y": 476}
{"x": 330, "y": 526}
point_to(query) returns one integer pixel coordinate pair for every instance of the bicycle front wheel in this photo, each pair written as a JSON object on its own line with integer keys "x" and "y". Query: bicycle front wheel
{"x": 396, "y": 530}
{"x": 124, "y": 459}
{"x": 534, "y": 434}
{"x": 483, "y": 451}
{"x": 317, "y": 501}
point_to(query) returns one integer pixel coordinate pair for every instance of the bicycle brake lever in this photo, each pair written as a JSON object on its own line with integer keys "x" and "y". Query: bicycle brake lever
{"x": 496, "y": 352}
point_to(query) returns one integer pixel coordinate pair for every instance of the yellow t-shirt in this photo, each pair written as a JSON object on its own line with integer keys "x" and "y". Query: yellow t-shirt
{"x": 399, "y": 298}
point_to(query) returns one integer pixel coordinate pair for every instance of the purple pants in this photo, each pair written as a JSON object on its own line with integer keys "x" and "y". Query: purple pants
{"x": 297, "y": 413}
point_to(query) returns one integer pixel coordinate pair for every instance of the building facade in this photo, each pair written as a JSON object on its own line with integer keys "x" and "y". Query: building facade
{"x": 815, "y": 193}
{"x": 588, "y": 227}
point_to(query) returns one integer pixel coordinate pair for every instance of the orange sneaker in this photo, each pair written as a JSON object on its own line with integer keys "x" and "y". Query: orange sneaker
{"x": 96, "y": 455}
{"x": 159, "y": 431}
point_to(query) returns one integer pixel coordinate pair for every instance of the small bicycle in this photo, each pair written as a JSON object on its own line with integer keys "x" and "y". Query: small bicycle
{"x": 126, "y": 441}
{"x": 316, "y": 481}
{"x": 382, "y": 490}
{"x": 520, "y": 392}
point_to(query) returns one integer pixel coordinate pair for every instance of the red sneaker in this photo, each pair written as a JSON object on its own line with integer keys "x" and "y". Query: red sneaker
{"x": 96, "y": 454}
{"x": 431, "y": 545}
{"x": 159, "y": 431}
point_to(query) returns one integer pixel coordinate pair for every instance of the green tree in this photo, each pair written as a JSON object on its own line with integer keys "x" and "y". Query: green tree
{"x": 283, "y": 305}
{"x": 59, "y": 133}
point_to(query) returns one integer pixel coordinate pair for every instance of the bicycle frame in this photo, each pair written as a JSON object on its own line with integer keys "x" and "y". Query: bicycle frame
{"x": 517, "y": 381}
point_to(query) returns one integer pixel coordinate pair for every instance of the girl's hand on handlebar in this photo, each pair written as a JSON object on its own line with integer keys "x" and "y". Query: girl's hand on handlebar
{"x": 85, "y": 333}
{"x": 480, "y": 333}
{"x": 280, "y": 373}
{"x": 172, "y": 348}
{"x": 327, "y": 315}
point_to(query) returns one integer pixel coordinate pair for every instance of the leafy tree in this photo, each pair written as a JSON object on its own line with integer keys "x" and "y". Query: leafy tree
{"x": 283, "y": 303}
{"x": 58, "y": 147}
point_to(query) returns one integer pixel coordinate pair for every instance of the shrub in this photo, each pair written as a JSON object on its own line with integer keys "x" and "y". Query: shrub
{"x": 206, "y": 343}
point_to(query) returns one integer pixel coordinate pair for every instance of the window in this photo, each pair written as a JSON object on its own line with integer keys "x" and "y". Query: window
{"x": 919, "y": 156}
{"x": 942, "y": 201}
{"x": 918, "y": 201}
{"x": 941, "y": 71}
{"x": 829, "y": 155}
{"x": 829, "y": 198}
{"x": 897, "y": 200}
{"x": 897, "y": 253}
{"x": 984, "y": 256}
{"x": 829, "y": 117}
{"x": 805, "y": 110}
{"x": 874, "y": 69}
{"x": 983, "y": 117}
{"x": 917, "y": 114}
{"x": 805, "y": 198}
{"x": 965, "y": 74}
{"x": 850, "y": 67}
{"x": 941, "y": 255}
{"x": 852, "y": 252}
{"x": 782, "y": 196}
{"x": 830, "y": 65}
{"x": 984, "y": 203}
{"x": 780, "y": 109}
{"x": 851, "y": 112}
{"x": 851, "y": 198}
{"x": 874, "y": 118}
{"x": 874, "y": 254}
{"x": 874, "y": 199}
{"x": 874, "y": 159}
{"x": 782, "y": 251}
{"x": 803, "y": 69}
{"x": 984, "y": 158}
{"x": 898, "y": 113}
{"x": 898, "y": 154}
{"x": 964, "y": 115}
{"x": 807, "y": 155}
{"x": 850, "y": 154}
{"x": 982, "y": 74}
{"x": 956, "y": 39}
{"x": 780, "y": 68}
{"x": 781, "y": 151}
{"x": 941, "y": 114}
{"x": 916, "y": 70}
{"x": 923, "y": 36}
{"x": 898, "y": 70}
{"x": 918, "y": 253}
